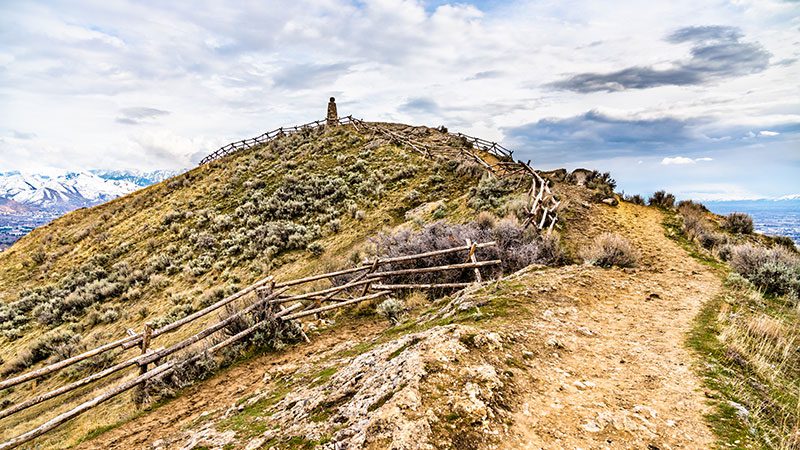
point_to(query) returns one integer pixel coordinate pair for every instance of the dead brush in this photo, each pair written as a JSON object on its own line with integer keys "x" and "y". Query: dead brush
{"x": 516, "y": 248}
{"x": 609, "y": 250}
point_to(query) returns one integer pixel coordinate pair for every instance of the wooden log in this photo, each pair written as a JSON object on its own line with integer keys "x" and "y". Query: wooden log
{"x": 472, "y": 258}
{"x": 147, "y": 333}
{"x": 322, "y": 298}
{"x": 434, "y": 253}
{"x": 337, "y": 305}
{"x": 83, "y": 407}
{"x": 421, "y": 286}
{"x": 68, "y": 388}
{"x": 66, "y": 362}
{"x": 434, "y": 268}
{"x": 320, "y": 276}
{"x": 116, "y": 368}
{"x": 311, "y": 295}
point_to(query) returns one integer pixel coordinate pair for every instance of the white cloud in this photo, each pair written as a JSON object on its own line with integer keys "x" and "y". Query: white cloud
{"x": 682, "y": 160}
{"x": 77, "y": 76}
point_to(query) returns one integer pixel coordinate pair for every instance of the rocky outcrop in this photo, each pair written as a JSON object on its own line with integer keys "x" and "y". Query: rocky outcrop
{"x": 399, "y": 395}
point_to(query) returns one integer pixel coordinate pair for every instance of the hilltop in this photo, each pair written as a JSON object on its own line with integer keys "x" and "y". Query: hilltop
{"x": 579, "y": 337}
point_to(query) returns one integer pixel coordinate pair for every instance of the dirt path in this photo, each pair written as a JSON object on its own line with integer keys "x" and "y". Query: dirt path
{"x": 617, "y": 373}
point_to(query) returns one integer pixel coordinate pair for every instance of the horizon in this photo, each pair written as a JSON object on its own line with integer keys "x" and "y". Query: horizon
{"x": 694, "y": 99}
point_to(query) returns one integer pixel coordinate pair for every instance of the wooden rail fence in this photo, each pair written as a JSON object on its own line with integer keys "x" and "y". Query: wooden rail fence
{"x": 269, "y": 296}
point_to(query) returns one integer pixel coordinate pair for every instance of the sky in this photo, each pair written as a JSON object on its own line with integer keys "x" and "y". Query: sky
{"x": 701, "y": 98}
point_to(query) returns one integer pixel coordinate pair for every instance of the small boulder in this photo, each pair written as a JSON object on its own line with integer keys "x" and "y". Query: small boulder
{"x": 611, "y": 201}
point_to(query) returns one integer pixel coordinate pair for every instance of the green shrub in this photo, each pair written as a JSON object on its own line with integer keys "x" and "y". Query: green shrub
{"x": 58, "y": 345}
{"x": 490, "y": 193}
{"x": 662, "y": 199}
{"x": 391, "y": 309}
{"x": 316, "y": 248}
{"x": 784, "y": 241}
{"x": 775, "y": 270}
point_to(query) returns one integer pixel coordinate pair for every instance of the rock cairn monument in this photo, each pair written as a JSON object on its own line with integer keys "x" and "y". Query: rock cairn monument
{"x": 333, "y": 116}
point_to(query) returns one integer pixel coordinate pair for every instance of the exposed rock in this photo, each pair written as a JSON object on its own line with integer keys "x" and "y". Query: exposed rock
{"x": 378, "y": 397}
{"x": 611, "y": 201}
{"x": 423, "y": 210}
{"x": 580, "y": 176}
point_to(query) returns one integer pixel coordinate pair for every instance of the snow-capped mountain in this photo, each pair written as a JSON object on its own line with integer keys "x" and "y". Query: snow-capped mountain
{"x": 65, "y": 191}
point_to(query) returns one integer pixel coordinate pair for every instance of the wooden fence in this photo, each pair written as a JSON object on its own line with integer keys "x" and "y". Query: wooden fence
{"x": 270, "y": 296}
{"x": 234, "y": 147}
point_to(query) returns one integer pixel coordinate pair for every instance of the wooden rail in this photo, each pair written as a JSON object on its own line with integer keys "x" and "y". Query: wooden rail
{"x": 262, "y": 139}
{"x": 271, "y": 295}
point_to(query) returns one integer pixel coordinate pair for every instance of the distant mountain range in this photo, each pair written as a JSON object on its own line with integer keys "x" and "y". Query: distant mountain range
{"x": 30, "y": 200}
{"x": 22, "y": 193}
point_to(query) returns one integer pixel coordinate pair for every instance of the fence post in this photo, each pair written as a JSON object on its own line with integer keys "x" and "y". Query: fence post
{"x": 148, "y": 332}
{"x": 139, "y": 396}
{"x": 472, "y": 258}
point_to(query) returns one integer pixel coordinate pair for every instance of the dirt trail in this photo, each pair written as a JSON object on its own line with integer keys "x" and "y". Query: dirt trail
{"x": 618, "y": 374}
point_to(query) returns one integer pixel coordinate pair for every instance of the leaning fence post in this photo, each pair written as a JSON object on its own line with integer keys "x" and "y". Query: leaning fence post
{"x": 471, "y": 257}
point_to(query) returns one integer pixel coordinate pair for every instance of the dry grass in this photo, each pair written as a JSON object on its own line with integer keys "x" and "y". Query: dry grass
{"x": 609, "y": 250}
{"x": 761, "y": 339}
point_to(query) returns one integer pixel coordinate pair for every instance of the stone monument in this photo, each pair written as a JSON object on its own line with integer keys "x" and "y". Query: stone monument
{"x": 333, "y": 116}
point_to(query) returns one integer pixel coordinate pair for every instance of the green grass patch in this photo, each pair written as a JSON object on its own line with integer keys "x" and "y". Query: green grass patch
{"x": 717, "y": 377}
{"x": 249, "y": 421}
{"x": 323, "y": 376}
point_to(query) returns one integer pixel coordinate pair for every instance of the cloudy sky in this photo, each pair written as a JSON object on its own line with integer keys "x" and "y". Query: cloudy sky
{"x": 698, "y": 97}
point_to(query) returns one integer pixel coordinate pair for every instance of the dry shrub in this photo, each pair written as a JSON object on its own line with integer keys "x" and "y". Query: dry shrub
{"x": 739, "y": 223}
{"x": 516, "y": 248}
{"x": 609, "y": 250}
{"x": 775, "y": 270}
{"x": 636, "y": 199}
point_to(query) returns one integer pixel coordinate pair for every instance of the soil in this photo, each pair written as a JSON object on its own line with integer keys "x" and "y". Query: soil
{"x": 605, "y": 363}
{"x": 618, "y": 373}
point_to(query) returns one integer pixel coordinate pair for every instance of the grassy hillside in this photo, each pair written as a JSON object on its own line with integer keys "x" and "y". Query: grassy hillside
{"x": 301, "y": 204}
